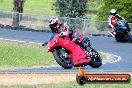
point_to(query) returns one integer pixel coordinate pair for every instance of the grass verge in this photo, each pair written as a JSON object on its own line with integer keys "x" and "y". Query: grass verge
{"x": 31, "y": 6}
{"x": 17, "y": 54}
{"x": 14, "y": 54}
{"x": 71, "y": 85}
{"x": 45, "y": 7}
{"x": 75, "y": 85}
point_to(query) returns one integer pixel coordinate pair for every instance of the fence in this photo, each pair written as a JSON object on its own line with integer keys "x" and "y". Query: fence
{"x": 40, "y": 22}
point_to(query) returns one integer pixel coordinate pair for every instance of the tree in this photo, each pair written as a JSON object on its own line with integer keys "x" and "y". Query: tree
{"x": 70, "y": 8}
{"x": 123, "y": 7}
{"x": 17, "y": 10}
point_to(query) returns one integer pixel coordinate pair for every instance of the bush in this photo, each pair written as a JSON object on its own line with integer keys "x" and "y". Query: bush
{"x": 71, "y": 8}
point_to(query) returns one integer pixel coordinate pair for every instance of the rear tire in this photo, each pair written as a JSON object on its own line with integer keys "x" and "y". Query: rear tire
{"x": 96, "y": 60}
{"x": 59, "y": 59}
{"x": 129, "y": 37}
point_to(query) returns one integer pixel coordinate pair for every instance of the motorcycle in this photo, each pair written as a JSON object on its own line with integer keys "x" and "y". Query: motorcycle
{"x": 68, "y": 54}
{"x": 122, "y": 32}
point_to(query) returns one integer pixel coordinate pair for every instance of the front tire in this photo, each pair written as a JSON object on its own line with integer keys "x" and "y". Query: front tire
{"x": 123, "y": 37}
{"x": 96, "y": 60}
{"x": 65, "y": 62}
{"x": 120, "y": 38}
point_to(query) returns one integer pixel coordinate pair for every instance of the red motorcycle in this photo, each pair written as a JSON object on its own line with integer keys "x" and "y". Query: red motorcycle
{"x": 68, "y": 54}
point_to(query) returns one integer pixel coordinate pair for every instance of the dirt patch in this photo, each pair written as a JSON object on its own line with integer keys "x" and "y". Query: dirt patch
{"x": 34, "y": 79}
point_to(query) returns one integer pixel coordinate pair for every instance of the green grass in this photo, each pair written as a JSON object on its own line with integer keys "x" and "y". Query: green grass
{"x": 17, "y": 55}
{"x": 75, "y": 85}
{"x": 71, "y": 85}
{"x": 13, "y": 54}
{"x": 43, "y": 7}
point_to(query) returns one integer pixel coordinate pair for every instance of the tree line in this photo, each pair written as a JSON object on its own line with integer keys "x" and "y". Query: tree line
{"x": 123, "y": 7}
{"x": 78, "y": 8}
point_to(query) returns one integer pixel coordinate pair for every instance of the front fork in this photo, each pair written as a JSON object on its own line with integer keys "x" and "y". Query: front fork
{"x": 88, "y": 52}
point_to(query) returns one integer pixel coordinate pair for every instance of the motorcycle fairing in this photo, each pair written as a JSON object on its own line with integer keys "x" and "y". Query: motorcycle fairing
{"x": 78, "y": 54}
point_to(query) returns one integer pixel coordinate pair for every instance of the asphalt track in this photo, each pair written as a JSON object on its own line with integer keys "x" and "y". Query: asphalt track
{"x": 100, "y": 43}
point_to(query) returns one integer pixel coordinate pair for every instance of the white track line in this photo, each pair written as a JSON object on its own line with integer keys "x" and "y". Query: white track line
{"x": 19, "y": 41}
{"x": 110, "y": 57}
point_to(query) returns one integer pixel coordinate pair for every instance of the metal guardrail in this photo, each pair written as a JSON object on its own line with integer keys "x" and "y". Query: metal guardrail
{"x": 40, "y": 22}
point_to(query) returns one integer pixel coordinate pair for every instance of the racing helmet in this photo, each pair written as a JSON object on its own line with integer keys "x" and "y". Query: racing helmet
{"x": 113, "y": 12}
{"x": 55, "y": 24}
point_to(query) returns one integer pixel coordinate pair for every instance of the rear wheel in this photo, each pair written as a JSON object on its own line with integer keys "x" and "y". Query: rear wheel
{"x": 129, "y": 37}
{"x": 62, "y": 58}
{"x": 96, "y": 60}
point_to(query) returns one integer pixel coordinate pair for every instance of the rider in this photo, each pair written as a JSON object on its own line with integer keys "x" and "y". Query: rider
{"x": 113, "y": 21}
{"x": 56, "y": 26}
{"x": 64, "y": 30}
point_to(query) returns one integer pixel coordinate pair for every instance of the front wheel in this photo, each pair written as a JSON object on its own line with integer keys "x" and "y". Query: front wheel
{"x": 62, "y": 58}
{"x": 123, "y": 37}
{"x": 96, "y": 60}
{"x": 120, "y": 38}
